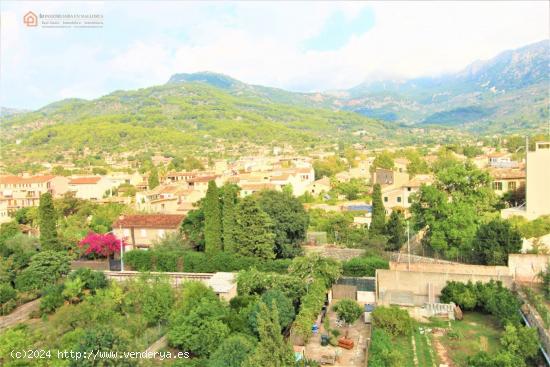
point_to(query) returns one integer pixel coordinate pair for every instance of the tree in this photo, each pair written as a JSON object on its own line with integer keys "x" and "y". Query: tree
{"x": 393, "y": 320}
{"x": 193, "y": 228}
{"x": 212, "y": 220}
{"x": 290, "y": 221}
{"x": 45, "y": 268}
{"x": 315, "y": 266}
{"x": 378, "y": 212}
{"x": 283, "y": 304}
{"x": 153, "y": 180}
{"x": 395, "y": 230}
{"x": 494, "y": 241}
{"x": 104, "y": 339}
{"x": 272, "y": 350}
{"x": 201, "y": 330}
{"x": 153, "y": 297}
{"x": 48, "y": 223}
{"x": 229, "y": 201}
{"x": 383, "y": 160}
{"x": 7, "y": 231}
{"x": 232, "y": 352}
{"x": 105, "y": 245}
{"x": 253, "y": 230}
{"x": 348, "y": 310}
{"x": 520, "y": 340}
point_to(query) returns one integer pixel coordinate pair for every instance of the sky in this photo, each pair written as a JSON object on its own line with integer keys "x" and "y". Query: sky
{"x": 298, "y": 46}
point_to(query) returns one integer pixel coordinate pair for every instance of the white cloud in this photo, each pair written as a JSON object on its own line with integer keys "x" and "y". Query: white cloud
{"x": 258, "y": 42}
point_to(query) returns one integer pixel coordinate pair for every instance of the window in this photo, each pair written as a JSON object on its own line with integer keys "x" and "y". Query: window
{"x": 399, "y": 199}
{"x": 409, "y": 188}
{"x": 512, "y": 185}
{"x": 497, "y": 185}
{"x": 409, "y": 200}
{"x": 161, "y": 233}
{"x": 143, "y": 233}
{"x": 385, "y": 199}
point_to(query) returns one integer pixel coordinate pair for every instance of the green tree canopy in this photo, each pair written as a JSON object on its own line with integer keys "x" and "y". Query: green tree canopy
{"x": 290, "y": 221}
{"x": 212, "y": 220}
{"x": 396, "y": 230}
{"x": 272, "y": 350}
{"x": 494, "y": 241}
{"x": 378, "y": 212}
{"x": 48, "y": 223}
{"x": 253, "y": 230}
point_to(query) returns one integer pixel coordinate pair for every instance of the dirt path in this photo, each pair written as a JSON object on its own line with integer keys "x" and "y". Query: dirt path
{"x": 441, "y": 351}
{"x": 158, "y": 345}
{"x": 20, "y": 314}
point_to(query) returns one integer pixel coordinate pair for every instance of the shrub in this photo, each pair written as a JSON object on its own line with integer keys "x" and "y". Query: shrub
{"x": 348, "y": 310}
{"x": 311, "y": 305}
{"x": 278, "y": 299}
{"x": 52, "y": 298}
{"x": 382, "y": 352}
{"x": 393, "y": 320}
{"x": 364, "y": 266}
{"x": 45, "y": 268}
{"x": 93, "y": 280}
{"x": 7, "y": 293}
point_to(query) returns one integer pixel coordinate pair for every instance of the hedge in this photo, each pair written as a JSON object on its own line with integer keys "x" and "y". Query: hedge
{"x": 311, "y": 305}
{"x": 364, "y": 266}
{"x": 198, "y": 262}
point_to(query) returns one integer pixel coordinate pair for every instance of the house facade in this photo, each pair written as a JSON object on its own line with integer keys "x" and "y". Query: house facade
{"x": 144, "y": 230}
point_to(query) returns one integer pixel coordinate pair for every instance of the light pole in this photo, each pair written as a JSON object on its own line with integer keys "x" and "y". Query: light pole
{"x": 408, "y": 247}
{"x": 120, "y": 219}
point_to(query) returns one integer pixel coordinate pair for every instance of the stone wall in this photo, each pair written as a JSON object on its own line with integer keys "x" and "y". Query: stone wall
{"x": 525, "y": 267}
{"x": 417, "y": 288}
{"x": 451, "y": 268}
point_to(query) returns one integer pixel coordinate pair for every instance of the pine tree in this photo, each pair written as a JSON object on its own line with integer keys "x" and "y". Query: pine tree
{"x": 212, "y": 220}
{"x": 153, "y": 178}
{"x": 47, "y": 220}
{"x": 272, "y": 350}
{"x": 395, "y": 230}
{"x": 378, "y": 211}
{"x": 253, "y": 230}
{"x": 229, "y": 200}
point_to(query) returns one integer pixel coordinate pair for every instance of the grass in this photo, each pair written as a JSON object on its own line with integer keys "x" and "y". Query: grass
{"x": 476, "y": 332}
{"x": 403, "y": 344}
{"x": 424, "y": 349}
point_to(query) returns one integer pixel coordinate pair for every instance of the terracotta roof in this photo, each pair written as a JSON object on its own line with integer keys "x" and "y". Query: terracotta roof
{"x": 150, "y": 221}
{"x": 25, "y": 180}
{"x": 84, "y": 180}
{"x": 501, "y": 174}
{"x": 283, "y": 177}
{"x": 258, "y": 186}
{"x": 202, "y": 179}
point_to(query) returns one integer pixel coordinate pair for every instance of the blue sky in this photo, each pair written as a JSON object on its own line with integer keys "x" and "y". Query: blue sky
{"x": 301, "y": 46}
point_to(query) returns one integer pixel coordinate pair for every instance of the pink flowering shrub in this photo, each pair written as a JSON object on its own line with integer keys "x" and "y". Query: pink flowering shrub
{"x": 101, "y": 244}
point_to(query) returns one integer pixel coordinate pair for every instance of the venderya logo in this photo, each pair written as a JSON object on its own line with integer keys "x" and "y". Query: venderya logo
{"x": 30, "y": 19}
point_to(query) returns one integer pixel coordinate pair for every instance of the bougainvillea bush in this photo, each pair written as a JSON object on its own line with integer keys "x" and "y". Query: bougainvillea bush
{"x": 102, "y": 245}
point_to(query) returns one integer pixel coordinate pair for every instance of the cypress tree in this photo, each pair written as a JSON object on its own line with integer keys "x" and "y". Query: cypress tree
{"x": 229, "y": 200}
{"x": 378, "y": 212}
{"x": 153, "y": 180}
{"x": 47, "y": 221}
{"x": 272, "y": 350}
{"x": 395, "y": 230}
{"x": 212, "y": 220}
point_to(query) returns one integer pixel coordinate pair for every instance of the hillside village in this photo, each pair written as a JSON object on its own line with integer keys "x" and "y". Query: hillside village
{"x": 165, "y": 210}
{"x": 274, "y": 184}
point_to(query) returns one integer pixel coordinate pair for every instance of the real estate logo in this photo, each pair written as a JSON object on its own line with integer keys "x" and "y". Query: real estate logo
{"x": 30, "y": 19}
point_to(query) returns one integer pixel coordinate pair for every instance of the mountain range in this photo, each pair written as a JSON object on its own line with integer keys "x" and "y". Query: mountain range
{"x": 506, "y": 94}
